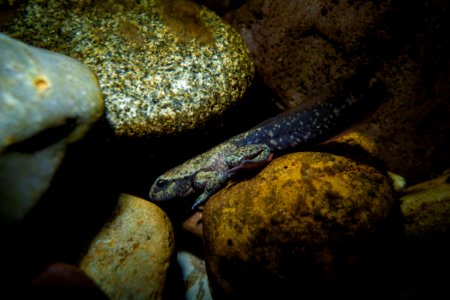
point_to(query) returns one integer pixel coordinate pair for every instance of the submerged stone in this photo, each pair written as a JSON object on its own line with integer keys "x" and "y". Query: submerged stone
{"x": 130, "y": 256}
{"x": 302, "y": 225}
{"x": 194, "y": 276}
{"x": 47, "y": 100}
{"x": 165, "y": 67}
{"x": 426, "y": 209}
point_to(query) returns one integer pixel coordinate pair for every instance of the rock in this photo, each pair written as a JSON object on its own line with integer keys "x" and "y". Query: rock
{"x": 130, "y": 256}
{"x": 165, "y": 67}
{"x": 303, "y": 48}
{"x": 220, "y": 7}
{"x": 305, "y": 222}
{"x": 409, "y": 131}
{"x": 194, "y": 276}
{"x": 194, "y": 224}
{"x": 64, "y": 281}
{"x": 47, "y": 101}
{"x": 426, "y": 209}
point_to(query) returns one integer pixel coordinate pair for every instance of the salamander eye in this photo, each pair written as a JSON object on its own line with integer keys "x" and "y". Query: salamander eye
{"x": 161, "y": 183}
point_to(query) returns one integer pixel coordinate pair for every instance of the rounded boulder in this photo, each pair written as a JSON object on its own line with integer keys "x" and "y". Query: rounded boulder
{"x": 303, "y": 223}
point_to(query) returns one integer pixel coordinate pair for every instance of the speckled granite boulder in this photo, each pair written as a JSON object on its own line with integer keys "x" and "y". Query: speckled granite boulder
{"x": 130, "y": 256}
{"x": 165, "y": 67}
{"x": 47, "y": 101}
{"x": 302, "y": 48}
{"x": 302, "y": 224}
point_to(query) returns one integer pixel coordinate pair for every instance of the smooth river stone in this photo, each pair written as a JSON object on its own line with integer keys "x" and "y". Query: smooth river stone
{"x": 304, "y": 224}
{"x": 47, "y": 101}
{"x": 194, "y": 275}
{"x": 131, "y": 254}
{"x": 165, "y": 67}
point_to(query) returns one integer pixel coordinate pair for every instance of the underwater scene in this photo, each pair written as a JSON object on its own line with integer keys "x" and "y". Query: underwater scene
{"x": 224, "y": 149}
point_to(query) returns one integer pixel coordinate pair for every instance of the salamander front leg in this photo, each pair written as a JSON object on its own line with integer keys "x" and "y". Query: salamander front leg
{"x": 210, "y": 182}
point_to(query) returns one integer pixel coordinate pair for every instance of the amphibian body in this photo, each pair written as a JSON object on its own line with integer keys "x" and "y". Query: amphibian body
{"x": 297, "y": 128}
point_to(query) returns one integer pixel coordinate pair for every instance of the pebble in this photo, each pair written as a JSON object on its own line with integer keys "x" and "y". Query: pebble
{"x": 130, "y": 256}
{"x": 194, "y": 276}
{"x": 47, "y": 101}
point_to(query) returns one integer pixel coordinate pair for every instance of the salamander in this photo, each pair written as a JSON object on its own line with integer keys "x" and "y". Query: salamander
{"x": 293, "y": 129}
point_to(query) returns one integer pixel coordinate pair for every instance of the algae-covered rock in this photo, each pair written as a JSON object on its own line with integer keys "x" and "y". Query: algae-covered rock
{"x": 426, "y": 209}
{"x": 306, "y": 220}
{"x": 165, "y": 67}
{"x": 131, "y": 254}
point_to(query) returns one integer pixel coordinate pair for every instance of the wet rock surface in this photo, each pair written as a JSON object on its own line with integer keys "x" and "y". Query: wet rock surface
{"x": 306, "y": 219}
{"x": 319, "y": 41}
{"x": 164, "y": 67}
{"x": 302, "y": 49}
{"x": 47, "y": 101}
{"x": 194, "y": 276}
{"x": 130, "y": 256}
{"x": 426, "y": 209}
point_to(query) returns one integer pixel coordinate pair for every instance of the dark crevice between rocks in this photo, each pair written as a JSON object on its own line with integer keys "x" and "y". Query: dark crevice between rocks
{"x": 80, "y": 198}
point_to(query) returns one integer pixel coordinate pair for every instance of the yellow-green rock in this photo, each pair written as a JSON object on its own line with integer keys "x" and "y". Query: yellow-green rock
{"x": 130, "y": 256}
{"x": 426, "y": 209}
{"x": 302, "y": 222}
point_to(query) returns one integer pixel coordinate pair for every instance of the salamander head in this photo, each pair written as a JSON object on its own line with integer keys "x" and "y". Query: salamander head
{"x": 168, "y": 187}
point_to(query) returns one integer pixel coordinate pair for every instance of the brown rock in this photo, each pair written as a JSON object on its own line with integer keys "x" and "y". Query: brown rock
{"x": 409, "y": 131}
{"x": 130, "y": 256}
{"x": 194, "y": 224}
{"x": 301, "y": 223}
{"x": 64, "y": 281}
{"x": 303, "y": 48}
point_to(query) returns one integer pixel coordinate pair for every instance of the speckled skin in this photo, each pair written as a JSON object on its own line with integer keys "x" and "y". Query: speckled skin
{"x": 296, "y": 128}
